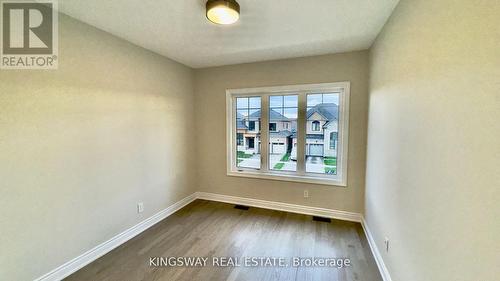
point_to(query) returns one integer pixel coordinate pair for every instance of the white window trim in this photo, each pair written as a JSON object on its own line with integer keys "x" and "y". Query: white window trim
{"x": 300, "y": 176}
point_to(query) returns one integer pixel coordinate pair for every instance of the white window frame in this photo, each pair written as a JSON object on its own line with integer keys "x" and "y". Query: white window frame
{"x": 343, "y": 88}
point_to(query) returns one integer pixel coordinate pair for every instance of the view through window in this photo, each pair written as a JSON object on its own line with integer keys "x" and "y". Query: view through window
{"x": 283, "y": 112}
{"x": 248, "y": 142}
{"x": 322, "y": 131}
{"x": 303, "y": 130}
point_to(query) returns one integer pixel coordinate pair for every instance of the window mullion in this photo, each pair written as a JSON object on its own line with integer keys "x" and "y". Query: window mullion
{"x": 264, "y": 134}
{"x": 301, "y": 134}
{"x": 232, "y": 133}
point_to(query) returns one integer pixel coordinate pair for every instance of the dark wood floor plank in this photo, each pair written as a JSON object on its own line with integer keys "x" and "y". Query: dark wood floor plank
{"x": 212, "y": 229}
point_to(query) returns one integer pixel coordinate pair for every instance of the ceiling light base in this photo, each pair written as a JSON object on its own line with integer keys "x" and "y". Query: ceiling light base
{"x": 223, "y": 11}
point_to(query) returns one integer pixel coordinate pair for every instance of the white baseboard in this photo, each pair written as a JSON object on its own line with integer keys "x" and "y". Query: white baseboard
{"x": 376, "y": 253}
{"x": 75, "y": 264}
{"x": 273, "y": 205}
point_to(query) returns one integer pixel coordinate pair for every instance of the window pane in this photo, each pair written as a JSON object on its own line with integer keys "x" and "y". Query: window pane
{"x": 322, "y": 133}
{"x": 331, "y": 98}
{"x": 283, "y": 133}
{"x": 276, "y": 101}
{"x": 254, "y": 102}
{"x": 254, "y": 114}
{"x": 290, "y": 113}
{"x": 290, "y": 101}
{"x": 276, "y": 114}
{"x": 313, "y": 100}
{"x": 248, "y": 142}
{"x": 242, "y": 113}
{"x": 241, "y": 103}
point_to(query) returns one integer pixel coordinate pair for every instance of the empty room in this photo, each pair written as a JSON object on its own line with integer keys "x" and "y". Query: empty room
{"x": 250, "y": 140}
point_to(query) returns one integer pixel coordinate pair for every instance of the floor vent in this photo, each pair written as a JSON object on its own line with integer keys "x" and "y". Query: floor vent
{"x": 315, "y": 218}
{"x": 241, "y": 207}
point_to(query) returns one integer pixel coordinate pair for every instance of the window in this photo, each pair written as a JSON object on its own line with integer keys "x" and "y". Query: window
{"x": 282, "y": 114}
{"x": 305, "y": 139}
{"x": 239, "y": 139}
{"x": 251, "y": 125}
{"x": 247, "y": 134}
{"x": 333, "y": 140}
{"x": 251, "y": 143}
{"x": 315, "y": 125}
{"x": 322, "y": 109}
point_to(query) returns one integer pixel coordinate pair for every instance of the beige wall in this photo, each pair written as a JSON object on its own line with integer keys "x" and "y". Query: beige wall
{"x": 433, "y": 172}
{"x": 116, "y": 125}
{"x": 210, "y": 87}
{"x": 81, "y": 145}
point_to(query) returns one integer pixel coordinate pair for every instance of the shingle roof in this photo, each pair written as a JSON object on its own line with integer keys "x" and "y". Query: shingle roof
{"x": 284, "y": 133}
{"x": 328, "y": 110}
{"x": 310, "y": 136}
{"x": 273, "y": 115}
{"x": 240, "y": 123}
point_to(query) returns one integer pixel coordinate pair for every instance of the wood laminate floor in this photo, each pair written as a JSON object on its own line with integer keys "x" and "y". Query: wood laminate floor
{"x": 211, "y": 229}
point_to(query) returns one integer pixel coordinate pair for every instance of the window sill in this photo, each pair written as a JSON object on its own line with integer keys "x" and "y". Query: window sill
{"x": 288, "y": 177}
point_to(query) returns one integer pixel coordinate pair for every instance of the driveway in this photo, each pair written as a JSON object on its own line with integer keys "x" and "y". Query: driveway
{"x": 252, "y": 162}
{"x": 314, "y": 164}
{"x": 288, "y": 165}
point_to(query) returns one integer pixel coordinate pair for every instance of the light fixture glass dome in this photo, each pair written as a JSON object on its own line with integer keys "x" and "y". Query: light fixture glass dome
{"x": 223, "y": 11}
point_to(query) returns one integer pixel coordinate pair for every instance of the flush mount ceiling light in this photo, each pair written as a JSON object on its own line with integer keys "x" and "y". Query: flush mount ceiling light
{"x": 223, "y": 11}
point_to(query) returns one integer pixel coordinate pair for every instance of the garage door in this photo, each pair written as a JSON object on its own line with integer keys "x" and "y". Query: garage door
{"x": 278, "y": 148}
{"x": 316, "y": 150}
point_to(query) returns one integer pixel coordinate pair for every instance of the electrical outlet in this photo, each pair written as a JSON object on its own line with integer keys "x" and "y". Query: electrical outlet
{"x": 140, "y": 207}
{"x": 306, "y": 193}
{"x": 386, "y": 243}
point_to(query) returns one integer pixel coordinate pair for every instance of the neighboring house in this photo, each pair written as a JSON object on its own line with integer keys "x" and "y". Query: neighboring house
{"x": 248, "y": 133}
{"x": 321, "y": 131}
{"x": 280, "y": 131}
{"x": 321, "y": 138}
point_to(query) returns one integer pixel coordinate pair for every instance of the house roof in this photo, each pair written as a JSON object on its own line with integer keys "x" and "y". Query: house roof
{"x": 273, "y": 115}
{"x": 284, "y": 133}
{"x": 329, "y": 111}
{"x": 240, "y": 123}
{"x": 309, "y": 136}
{"x": 314, "y": 136}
